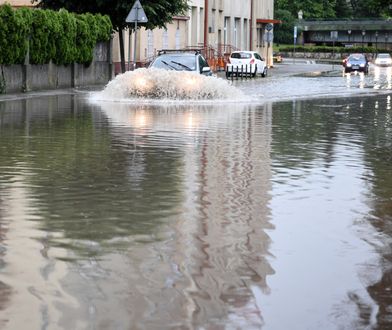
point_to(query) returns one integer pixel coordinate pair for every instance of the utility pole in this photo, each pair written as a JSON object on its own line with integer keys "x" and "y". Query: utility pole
{"x": 205, "y": 24}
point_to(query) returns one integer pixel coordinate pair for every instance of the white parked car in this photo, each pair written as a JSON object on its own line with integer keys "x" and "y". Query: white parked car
{"x": 246, "y": 62}
{"x": 383, "y": 59}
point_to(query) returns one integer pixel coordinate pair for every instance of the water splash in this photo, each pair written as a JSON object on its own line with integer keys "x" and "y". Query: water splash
{"x": 158, "y": 84}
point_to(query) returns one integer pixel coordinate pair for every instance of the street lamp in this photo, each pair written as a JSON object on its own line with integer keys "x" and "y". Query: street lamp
{"x": 386, "y": 39}
{"x": 363, "y": 38}
{"x": 349, "y": 35}
{"x": 376, "y": 34}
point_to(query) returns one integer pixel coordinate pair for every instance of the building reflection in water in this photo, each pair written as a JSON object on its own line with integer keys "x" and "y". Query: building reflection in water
{"x": 220, "y": 247}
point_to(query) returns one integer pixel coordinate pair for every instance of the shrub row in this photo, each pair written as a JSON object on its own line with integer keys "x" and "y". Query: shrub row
{"x": 59, "y": 36}
{"x": 329, "y": 49}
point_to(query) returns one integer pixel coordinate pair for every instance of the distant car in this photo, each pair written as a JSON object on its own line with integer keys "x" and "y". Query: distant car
{"x": 182, "y": 61}
{"x": 277, "y": 57}
{"x": 356, "y": 62}
{"x": 383, "y": 59}
{"x": 247, "y": 62}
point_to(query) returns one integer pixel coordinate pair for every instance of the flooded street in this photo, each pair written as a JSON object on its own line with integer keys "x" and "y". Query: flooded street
{"x": 272, "y": 211}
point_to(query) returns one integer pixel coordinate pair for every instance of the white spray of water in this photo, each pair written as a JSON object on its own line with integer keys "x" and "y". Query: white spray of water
{"x": 158, "y": 84}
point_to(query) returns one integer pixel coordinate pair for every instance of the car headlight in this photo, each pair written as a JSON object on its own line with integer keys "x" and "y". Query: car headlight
{"x": 348, "y": 64}
{"x": 362, "y": 65}
{"x": 377, "y": 61}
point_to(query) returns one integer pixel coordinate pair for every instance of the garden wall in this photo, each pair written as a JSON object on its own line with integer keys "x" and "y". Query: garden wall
{"x": 29, "y": 77}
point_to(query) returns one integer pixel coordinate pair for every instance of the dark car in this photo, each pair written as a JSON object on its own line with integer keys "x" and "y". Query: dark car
{"x": 182, "y": 61}
{"x": 356, "y": 62}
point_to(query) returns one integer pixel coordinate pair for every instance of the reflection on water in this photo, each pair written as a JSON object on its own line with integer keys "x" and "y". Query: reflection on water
{"x": 195, "y": 216}
{"x": 380, "y": 78}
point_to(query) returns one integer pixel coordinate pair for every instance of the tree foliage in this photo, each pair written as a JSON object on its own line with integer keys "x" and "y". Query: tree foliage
{"x": 159, "y": 12}
{"x": 316, "y": 9}
{"x": 287, "y": 12}
{"x": 283, "y": 33}
{"x": 14, "y": 34}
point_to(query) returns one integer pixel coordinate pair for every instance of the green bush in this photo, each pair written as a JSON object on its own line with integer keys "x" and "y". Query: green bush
{"x": 59, "y": 36}
{"x": 13, "y": 35}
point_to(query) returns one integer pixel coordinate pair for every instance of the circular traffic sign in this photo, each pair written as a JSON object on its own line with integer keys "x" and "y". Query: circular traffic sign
{"x": 269, "y": 27}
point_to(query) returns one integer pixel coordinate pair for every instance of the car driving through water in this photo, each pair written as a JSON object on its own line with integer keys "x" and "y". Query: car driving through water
{"x": 356, "y": 62}
{"x": 182, "y": 61}
{"x": 383, "y": 59}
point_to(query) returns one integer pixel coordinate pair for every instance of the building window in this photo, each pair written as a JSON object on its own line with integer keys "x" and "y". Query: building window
{"x": 165, "y": 39}
{"x": 226, "y": 30}
{"x": 150, "y": 43}
{"x": 178, "y": 38}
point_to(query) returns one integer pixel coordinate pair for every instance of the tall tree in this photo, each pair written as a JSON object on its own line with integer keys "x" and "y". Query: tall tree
{"x": 283, "y": 33}
{"x": 343, "y": 9}
{"x": 159, "y": 12}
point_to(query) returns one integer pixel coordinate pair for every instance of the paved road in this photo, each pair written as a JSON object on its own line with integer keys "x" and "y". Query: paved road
{"x": 290, "y": 68}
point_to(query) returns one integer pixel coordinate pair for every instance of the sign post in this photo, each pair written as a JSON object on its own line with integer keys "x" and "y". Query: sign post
{"x": 136, "y": 15}
{"x": 295, "y": 41}
{"x": 334, "y": 36}
{"x": 269, "y": 31}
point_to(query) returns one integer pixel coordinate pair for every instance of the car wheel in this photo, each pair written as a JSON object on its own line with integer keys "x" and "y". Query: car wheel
{"x": 228, "y": 74}
{"x": 264, "y": 73}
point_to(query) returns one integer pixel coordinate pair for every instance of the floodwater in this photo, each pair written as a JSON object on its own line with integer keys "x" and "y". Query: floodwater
{"x": 271, "y": 214}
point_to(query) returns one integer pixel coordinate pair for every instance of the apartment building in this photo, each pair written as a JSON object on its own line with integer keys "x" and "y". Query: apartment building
{"x": 221, "y": 25}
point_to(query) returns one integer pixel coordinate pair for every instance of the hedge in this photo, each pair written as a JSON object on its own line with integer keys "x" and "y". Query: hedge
{"x": 59, "y": 36}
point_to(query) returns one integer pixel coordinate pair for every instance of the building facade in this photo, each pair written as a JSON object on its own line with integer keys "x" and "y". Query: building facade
{"x": 219, "y": 25}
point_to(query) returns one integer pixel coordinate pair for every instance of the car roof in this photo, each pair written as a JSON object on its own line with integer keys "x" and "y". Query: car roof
{"x": 243, "y": 51}
{"x": 179, "y": 54}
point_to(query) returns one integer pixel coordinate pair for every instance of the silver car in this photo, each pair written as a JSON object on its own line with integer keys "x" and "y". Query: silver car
{"x": 182, "y": 61}
{"x": 383, "y": 59}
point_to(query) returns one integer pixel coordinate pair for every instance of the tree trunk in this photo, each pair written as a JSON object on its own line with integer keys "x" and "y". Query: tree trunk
{"x": 122, "y": 54}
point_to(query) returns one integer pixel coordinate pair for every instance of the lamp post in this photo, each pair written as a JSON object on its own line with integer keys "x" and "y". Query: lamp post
{"x": 386, "y": 40}
{"x": 349, "y": 35}
{"x": 376, "y": 34}
{"x": 363, "y": 38}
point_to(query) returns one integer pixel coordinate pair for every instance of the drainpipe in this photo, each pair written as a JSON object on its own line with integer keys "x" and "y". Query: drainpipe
{"x": 205, "y": 23}
{"x": 251, "y": 26}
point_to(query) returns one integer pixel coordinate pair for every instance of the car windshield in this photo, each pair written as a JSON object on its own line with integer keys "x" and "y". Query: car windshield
{"x": 356, "y": 57}
{"x": 241, "y": 55}
{"x": 384, "y": 56}
{"x": 183, "y": 62}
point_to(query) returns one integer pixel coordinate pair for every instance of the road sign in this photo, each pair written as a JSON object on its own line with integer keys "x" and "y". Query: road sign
{"x": 295, "y": 32}
{"x": 136, "y": 14}
{"x": 334, "y": 35}
{"x": 269, "y": 36}
{"x": 269, "y": 27}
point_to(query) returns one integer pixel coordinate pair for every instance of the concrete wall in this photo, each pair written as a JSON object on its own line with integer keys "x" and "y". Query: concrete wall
{"x": 27, "y": 77}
